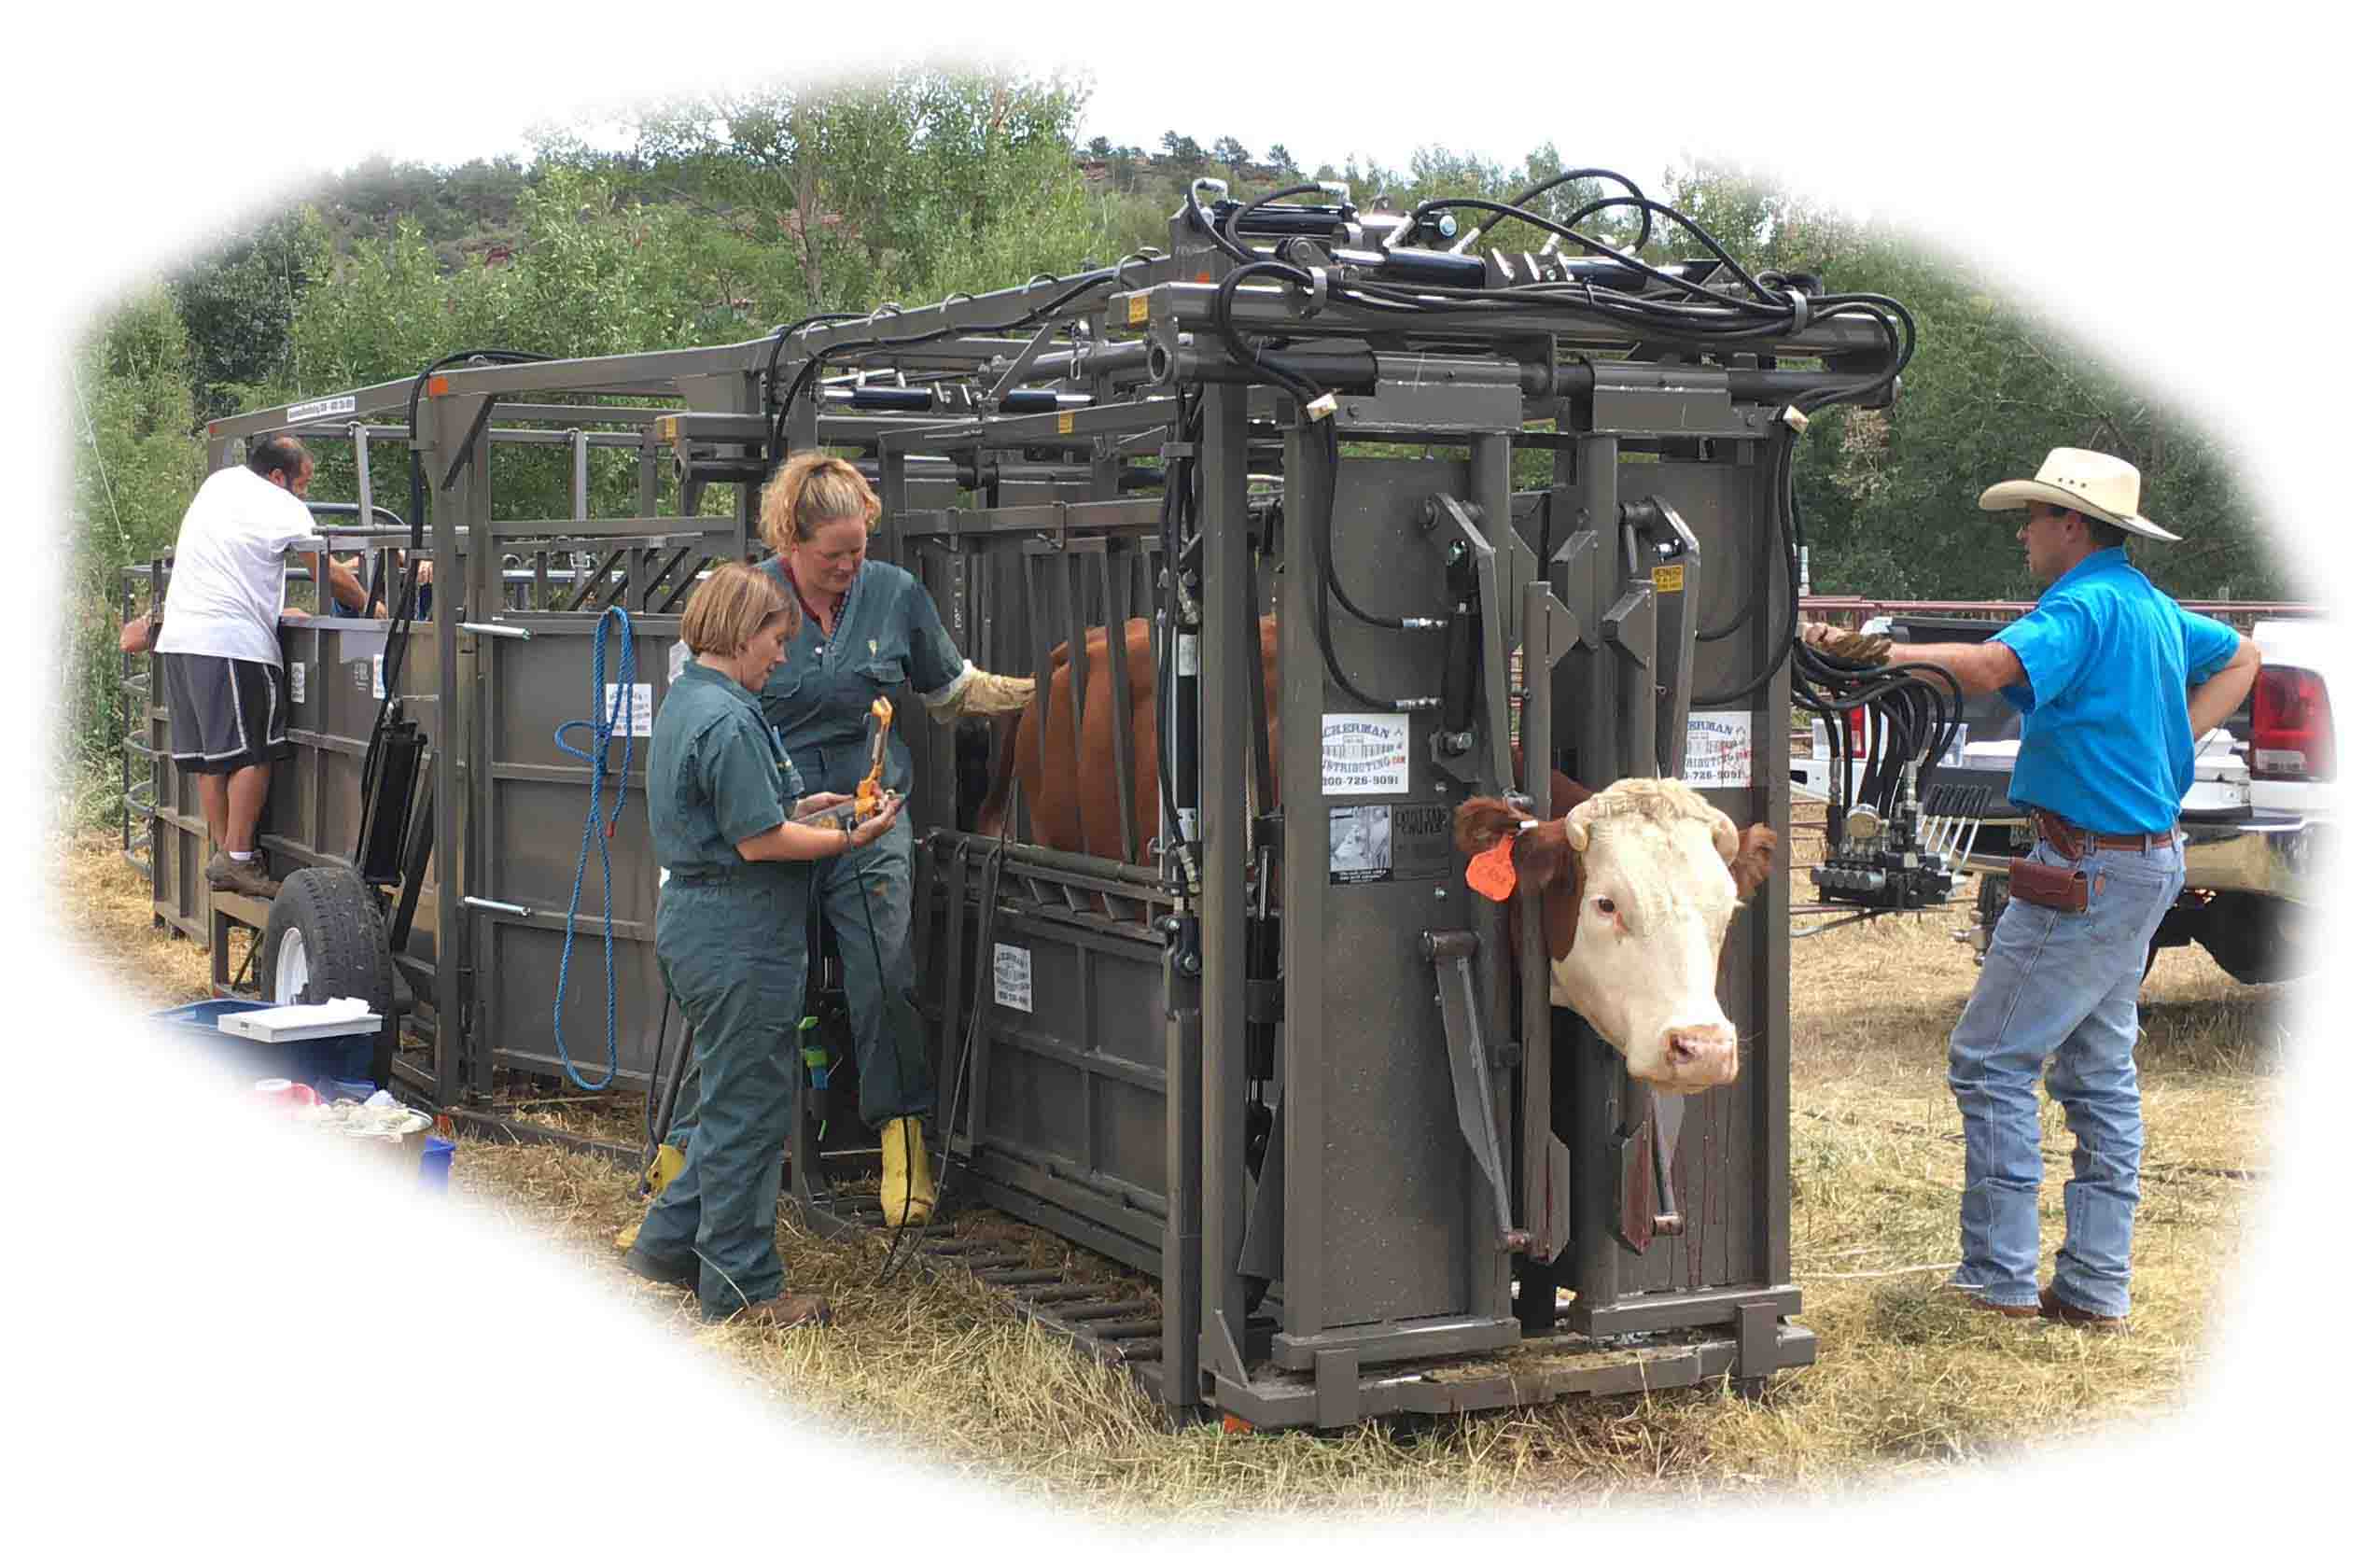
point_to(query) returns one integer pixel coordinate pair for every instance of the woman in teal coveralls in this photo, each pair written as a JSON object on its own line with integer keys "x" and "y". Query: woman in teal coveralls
{"x": 865, "y": 629}
{"x": 733, "y": 945}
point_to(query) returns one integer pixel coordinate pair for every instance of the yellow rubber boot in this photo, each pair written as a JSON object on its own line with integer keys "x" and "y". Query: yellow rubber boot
{"x": 665, "y": 1167}
{"x": 908, "y": 1175}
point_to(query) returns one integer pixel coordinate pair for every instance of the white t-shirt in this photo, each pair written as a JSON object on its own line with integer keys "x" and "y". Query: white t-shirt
{"x": 230, "y": 568}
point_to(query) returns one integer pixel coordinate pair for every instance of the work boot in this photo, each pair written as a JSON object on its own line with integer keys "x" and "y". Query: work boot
{"x": 684, "y": 1276}
{"x": 243, "y": 876}
{"x": 219, "y": 869}
{"x": 2055, "y": 1309}
{"x": 663, "y": 1169}
{"x": 788, "y": 1312}
{"x": 908, "y": 1175}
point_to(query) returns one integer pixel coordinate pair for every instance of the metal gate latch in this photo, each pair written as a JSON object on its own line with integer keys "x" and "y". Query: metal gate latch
{"x": 1450, "y": 952}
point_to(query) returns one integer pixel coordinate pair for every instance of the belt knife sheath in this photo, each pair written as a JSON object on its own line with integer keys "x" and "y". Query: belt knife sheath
{"x": 2064, "y": 889}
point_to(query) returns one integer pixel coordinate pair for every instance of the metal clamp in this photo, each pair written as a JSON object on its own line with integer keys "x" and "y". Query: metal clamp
{"x": 495, "y": 628}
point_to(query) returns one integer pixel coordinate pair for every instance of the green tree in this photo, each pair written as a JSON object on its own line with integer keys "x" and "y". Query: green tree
{"x": 237, "y": 304}
{"x": 136, "y": 468}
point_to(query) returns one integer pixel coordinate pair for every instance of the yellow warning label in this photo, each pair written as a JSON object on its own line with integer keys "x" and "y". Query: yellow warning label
{"x": 1668, "y": 579}
{"x": 665, "y": 427}
{"x": 1136, "y": 312}
{"x": 1065, "y": 424}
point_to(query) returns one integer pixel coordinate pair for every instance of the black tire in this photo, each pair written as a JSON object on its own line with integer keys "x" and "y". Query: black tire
{"x": 2251, "y": 937}
{"x": 336, "y": 919}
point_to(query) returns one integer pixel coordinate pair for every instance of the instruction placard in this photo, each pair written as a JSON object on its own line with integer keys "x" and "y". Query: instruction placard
{"x": 639, "y": 707}
{"x": 297, "y": 682}
{"x": 1366, "y": 753}
{"x": 1717, "y": 750}
{"x": 1012, "y": 976}
{"x": 1423, "y": 841}
{"x": 1361, "y": 844}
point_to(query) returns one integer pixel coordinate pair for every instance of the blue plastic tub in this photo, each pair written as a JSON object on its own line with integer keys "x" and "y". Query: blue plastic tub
{"x": 346, "y": 1056}
{"x": 437, "y": 1163}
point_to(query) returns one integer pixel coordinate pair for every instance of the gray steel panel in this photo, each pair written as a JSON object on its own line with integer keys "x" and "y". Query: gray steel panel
{"x": 518, "y": 1030}
{"x": 1079, "y": 1077}
{"x": 1379, "y": 1211}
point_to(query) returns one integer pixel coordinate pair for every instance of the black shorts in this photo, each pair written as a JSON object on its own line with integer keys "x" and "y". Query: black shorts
{"x": 227, "y": 714}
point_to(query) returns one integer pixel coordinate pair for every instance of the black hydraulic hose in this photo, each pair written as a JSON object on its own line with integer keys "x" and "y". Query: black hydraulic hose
{"x": 1642, "y": 233}
{"x": 1633, "y": 263}
{"x": 809, "y": 367}
{"x": 1230, "y": 224}
{"x": 768, "y": 376}
{"x": 1234, "y": 343}
{"x": 1327, "y": 492}
{"x": 1788, "y": 526}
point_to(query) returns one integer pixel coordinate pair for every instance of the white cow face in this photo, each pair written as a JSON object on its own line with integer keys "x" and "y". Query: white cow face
{"x": 1654, "y": 896}
{"x": 1638, "y": 885}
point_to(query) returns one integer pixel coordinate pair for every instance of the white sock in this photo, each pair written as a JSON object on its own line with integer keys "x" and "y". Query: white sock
{"x": 242, "y": 856}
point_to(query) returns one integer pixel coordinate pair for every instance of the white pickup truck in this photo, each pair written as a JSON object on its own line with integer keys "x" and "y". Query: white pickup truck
{"x": 2266, "y": 786}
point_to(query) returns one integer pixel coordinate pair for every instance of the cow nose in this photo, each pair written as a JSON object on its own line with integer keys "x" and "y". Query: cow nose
{"x": 1699, "y": 1047}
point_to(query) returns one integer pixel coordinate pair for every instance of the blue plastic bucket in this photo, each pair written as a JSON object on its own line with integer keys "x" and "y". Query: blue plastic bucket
{"x": 346, "y": 1057}
{"x": 437, "y": 1163}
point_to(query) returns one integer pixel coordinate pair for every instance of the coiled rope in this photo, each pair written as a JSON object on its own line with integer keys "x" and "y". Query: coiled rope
{"x": 617, "y": 719}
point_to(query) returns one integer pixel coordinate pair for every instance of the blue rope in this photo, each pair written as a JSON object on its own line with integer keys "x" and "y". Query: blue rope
{"x": 618, "y": 720}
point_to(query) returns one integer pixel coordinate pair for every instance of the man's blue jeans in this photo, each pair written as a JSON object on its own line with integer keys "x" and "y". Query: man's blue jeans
{"x": 2061, "y": 991}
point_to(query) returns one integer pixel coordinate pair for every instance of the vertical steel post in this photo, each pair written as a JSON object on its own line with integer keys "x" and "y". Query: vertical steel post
{"x": 1214, "y": 1125}
{"x": 448, "y": 420}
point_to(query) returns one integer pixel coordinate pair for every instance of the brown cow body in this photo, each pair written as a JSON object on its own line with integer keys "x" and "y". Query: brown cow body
{"x": 1068, "y": 788}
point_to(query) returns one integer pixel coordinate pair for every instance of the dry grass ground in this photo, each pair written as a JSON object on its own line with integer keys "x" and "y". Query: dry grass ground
{"x": 1906, "y": 1384}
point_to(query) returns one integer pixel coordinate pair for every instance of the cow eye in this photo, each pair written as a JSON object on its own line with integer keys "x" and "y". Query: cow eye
{"x": 1605, "y": 907}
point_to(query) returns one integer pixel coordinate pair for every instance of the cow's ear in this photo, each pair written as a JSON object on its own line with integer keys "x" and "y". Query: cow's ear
{"x": 1543, "y": 860}
{"x": 1753, "y": 857}
{"x": 1482, "y": 821}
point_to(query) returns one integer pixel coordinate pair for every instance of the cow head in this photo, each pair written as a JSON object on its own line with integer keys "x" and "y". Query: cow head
{"x": 1639, "y": 884}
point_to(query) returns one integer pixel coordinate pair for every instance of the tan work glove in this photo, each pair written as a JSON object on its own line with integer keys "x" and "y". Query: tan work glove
{"x": 1865, "y": 650}
{"x": 986, "y": 695}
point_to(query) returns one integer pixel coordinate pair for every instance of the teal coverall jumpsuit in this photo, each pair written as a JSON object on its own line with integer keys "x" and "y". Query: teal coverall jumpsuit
{"x": 889, "y": 635}
{"x": 735, "y": 954}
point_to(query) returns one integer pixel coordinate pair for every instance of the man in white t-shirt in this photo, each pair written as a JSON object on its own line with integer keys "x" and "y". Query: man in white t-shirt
{"x": 220, "y": 633}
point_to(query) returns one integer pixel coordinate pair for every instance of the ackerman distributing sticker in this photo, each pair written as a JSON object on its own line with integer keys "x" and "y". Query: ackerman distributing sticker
{"x": 1012, "y": 976}
{"x": 321, "y": 409}
{"x": 1717, "y": 750}
{"x": 1366, "y": 753}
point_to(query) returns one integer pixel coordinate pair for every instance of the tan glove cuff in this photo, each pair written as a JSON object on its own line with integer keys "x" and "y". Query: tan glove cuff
{"x": 985, "y": 695}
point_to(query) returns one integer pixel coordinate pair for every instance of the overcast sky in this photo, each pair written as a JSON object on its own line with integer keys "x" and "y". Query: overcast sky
{"x": 2165, "y": 184}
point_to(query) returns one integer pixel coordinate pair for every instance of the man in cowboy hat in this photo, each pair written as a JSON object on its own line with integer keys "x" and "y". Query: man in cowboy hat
{"x": 2114, "y": 681}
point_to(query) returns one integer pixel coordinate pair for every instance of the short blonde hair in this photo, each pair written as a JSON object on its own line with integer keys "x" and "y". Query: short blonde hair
{"x": 810, "y": 490}
{"x": 730, "y": 608}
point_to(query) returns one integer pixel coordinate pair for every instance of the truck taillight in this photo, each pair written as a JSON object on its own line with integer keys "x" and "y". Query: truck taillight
{"x": 1857, "y": 732}
{"x": 2293, "y": 737}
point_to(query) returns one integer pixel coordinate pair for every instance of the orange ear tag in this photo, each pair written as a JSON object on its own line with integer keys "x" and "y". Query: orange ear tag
{"x": 1492, "y": 872}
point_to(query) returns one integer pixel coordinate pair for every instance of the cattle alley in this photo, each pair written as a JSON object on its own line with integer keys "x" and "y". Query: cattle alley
{"x": 1906, "y": 1384}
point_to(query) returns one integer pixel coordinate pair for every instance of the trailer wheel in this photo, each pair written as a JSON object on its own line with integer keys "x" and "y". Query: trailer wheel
{"x": 324, "y": 939}
{"x": 2256, "y": 939}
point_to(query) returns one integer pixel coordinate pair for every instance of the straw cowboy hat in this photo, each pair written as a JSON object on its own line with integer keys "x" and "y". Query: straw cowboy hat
{"x": 2075, "y": 478}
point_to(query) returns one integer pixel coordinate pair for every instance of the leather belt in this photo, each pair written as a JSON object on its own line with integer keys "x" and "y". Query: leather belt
{"x": 2073, "y": 841}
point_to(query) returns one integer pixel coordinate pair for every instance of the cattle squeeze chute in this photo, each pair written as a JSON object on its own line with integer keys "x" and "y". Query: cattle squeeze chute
{"x": 1362, "y": 523}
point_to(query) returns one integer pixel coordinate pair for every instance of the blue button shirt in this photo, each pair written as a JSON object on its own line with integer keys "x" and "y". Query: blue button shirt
{"x": 2110, "y": 661}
